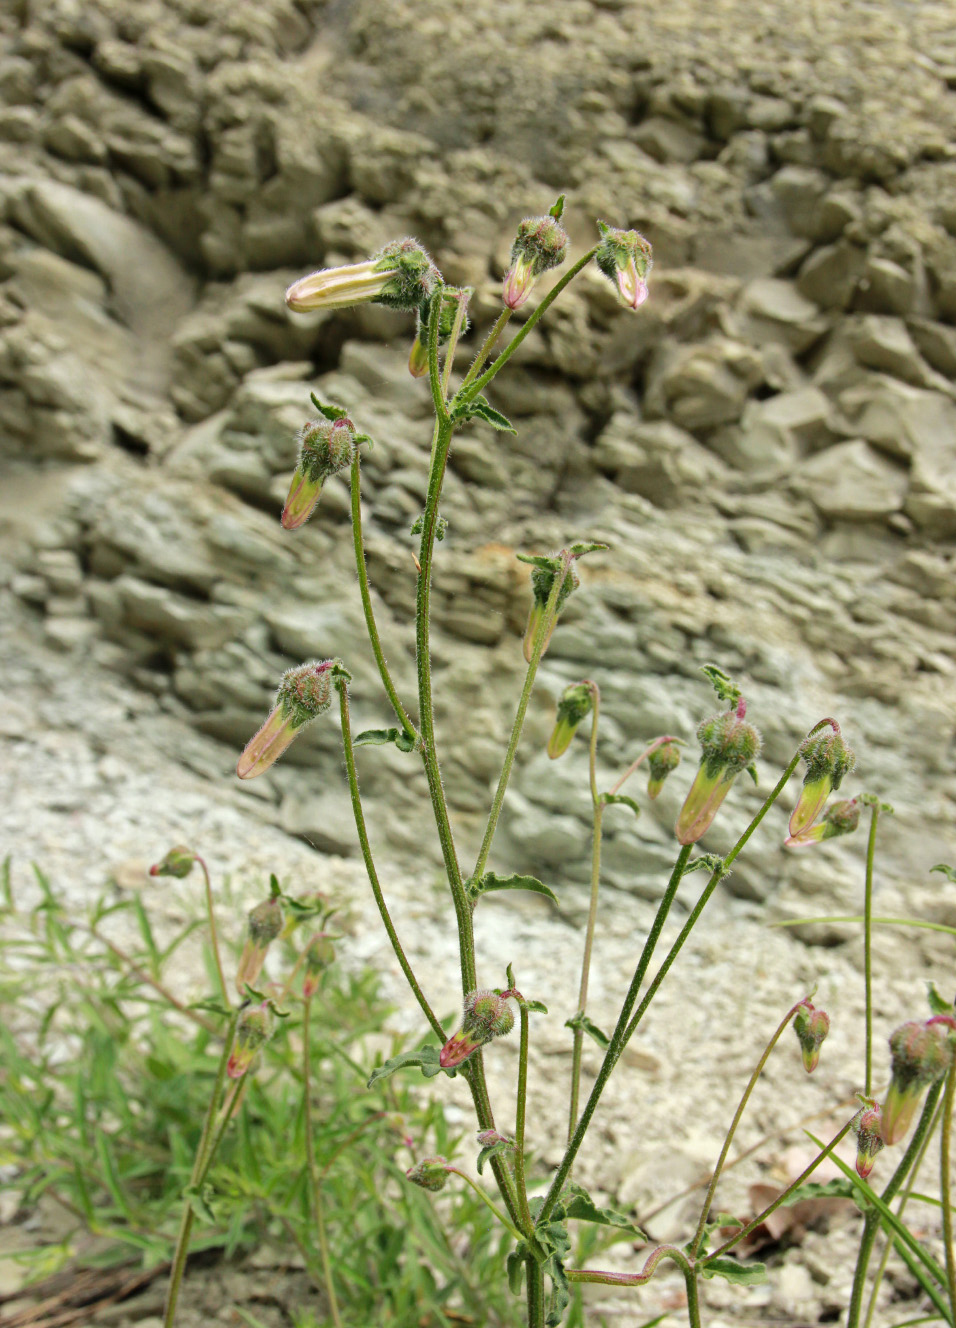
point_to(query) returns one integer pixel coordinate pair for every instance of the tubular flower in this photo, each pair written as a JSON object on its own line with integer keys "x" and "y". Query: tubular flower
{"x": 304, "y": 693}
{"x": 625, "y": 259}
{"x": 256, "y": 1023}
{"x": 867, "y": 1126}
{"x": 840, "y": 818}
{"x": 487, "y": 1015}
{"x": 729, "y": 744}
{"x": 828, "y": 761}
{"x": 573, "y": 709}
{"x": 922, "y": 1053}
{"x": 399, "y": 276}
{"x": 662, "y": 762}
{"x": 542, "y": 580}
{"x": 811, "y": 1027}
{"x": 541, "y": 243}
{"x": 325, "y": 447}
{"x": 265, "y": 923}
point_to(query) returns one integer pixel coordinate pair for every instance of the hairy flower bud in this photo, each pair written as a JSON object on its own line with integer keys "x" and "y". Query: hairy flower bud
{"x": 922, "y": 1053}
{"x": 253, "y": 1031}
{"x": 574, "y": 707}
{"x": 450, "y": 297}
{"x": 178, "y": 862}
{"x": 541, "y": 243}
{"x": 542, "y": 581}
{"x": 867, "y": 1126}
{"x": 828, "y": 760}
{"x": 625, "y": 259}
{"x": 728, "y": 745}
{"x": 319, "y": 954}
{"x": 840, "y": 818}
{"x": 325, "y": 447}
{"x": 265, "y": 924}
{"x": 487, "y": 1015}
{"x": 811, "y": 1027}
{"x": 399, "y": 276}
{"x": 662, "y": 761}
{"x": 304, "y": 693}
{"x": 431, "y": 1173}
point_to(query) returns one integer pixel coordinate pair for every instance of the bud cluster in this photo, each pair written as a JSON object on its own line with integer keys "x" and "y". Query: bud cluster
{"x": 178, "y": 863}
{"x": 541, "y": 244}
{"x": 253, "y": 1031}
{"x": 431, "y": 1173}
{"x": 264, "y": 925}
{"x": 319, "y": 954}
{"x": 728, "y": 745}
{"x": 487, "y": 1015}
{"x": 662, "y": 762}
{"x": 867, "y": 1126}
{"x": 542, "y": 583}
{"x": 304, "y": 693}
{"x": 399, "y": 276}
{"x": 325, "y": 448}
{"x": 625, "y": 259}
{"x": 921, "y": 1054}
{"x": 828, "y": 760}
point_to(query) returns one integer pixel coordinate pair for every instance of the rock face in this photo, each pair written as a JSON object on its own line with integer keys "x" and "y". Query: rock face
{"x": 768, "y": 444}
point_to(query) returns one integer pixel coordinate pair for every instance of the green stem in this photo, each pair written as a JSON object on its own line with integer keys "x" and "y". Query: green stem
{"x": 648, "y": 751}
{"x": 462, "y": 297}
{"x": 758, "y": 1070}
{"x": 487, "y": 345}
{"x": 632, "y": 1279}
{"x": 469, "y": 394}
{"x": 490, "y": 1203}
{"x": 186, "y": 1221}
{"x": 157, "y": 986}
{"x": 366, "y": 848}
{"x": 520, "y": 1183}
{"x": 867, "y": 938}
{"x": 945, "y": 1195}
{"x": 474, "y": 1072}
{"x": 537, "y": 650}
{"x": 598, "y": 819}
{"x": 434, "y": 325}
{"x": 535, "y": 1287}
{"x": 693, "y": 1297}
{"x": 617, "y": 1039}
{"x": 365, "y": 592}
{"x": 315, "y": 1184}
{"x": 214, "y": 935}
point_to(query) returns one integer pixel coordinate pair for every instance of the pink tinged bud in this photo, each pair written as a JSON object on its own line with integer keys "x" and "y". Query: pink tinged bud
{"x": 922, "y": 1054}
{"x": 728, "y": 745}
{"x": 303, "y": 694}
{"x": 867, "y": 1126}
{"x": 701, "y": 805}
{"x": 840, "y": 818}
{"x": 661, "y": 763}
{"x": 418, "y": 359}
{"x": 265, "y": 924}
{"x": 325, "y": 448}
{"x": 811, "y": 1027}
{"x": 338, "y": 287}
{"x": 487, "y": 1015}
{"x": 625, "y": 259}
{"x": 540, "y": 244}
{"x": 253, "y": 1031}
{"x": 458, "y": 1048}
{"x": 518, "y": 282}
{"x": 300, "y": 504}
{"x": 573, "y": 709}
{"x": 319, "y": 954}
{"x": 178, "y": 862}
{"x": 810, "y": 804}
{"x": 632, "y": 288}
{"x": 829, "y": 760}
{"x": 431, "y": 1173}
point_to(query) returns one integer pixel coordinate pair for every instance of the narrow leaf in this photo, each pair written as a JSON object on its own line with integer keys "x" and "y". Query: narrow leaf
{"x": 503, "y": 1147}
{"x": 557, "y": 208}
{"x": 491, "y": 881}
{"x": 590, "y": 1027}
{"x": 583, "y": 1208}
{"x": 742, "y": 1274}
{"x": 382, "y": 737}
{"x": 330, "y": 412}
{"x": 425, "y": 1059}
{"x": 480, "y": 409}
{"x": 623, "y": 799}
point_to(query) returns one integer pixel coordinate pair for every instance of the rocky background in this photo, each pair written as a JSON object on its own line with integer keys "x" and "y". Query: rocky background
{"x": 768, "y": 445}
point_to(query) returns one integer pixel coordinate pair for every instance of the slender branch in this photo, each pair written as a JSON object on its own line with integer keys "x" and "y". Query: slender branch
{"x": 945, "y": 1186}
{"x": 474, "y": 1073}
{"x": 867, "y": 940}
{"x": 462, "y": 309}
{"x": 487, "y": 346}
{"x": 648, "y": 751}
{"x": 597, "y": 822}
{"x": 434, "y": 325}
{"x": 631, "y": 1279}
{"x": 520, "y": 1183}
{"x": 214, "y": 935}
{"x": 490, "y": 1203}
{"x": 359, "y": 815}
{"x": 315, "y": 1184}
{"x": 157, "y": 986}
{"x": 535, "y": 1290}
{"x": 365, "y": 592}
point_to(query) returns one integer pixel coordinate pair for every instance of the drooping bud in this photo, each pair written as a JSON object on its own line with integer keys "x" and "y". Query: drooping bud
{"x": 542, "y": 581}
{"x": 625, "y": 259}
{"x": 811, "y": 1027}
{"x": 253, "y": 1031}
{"x": 399, "y": 276}
{"x": 490, "y": 1138}
{"x": 450, "y": 297}
{"x": 840, "y": 818}
{"x": 573, "y": 708}
{"x": 319, "y": 954}
{"x": 487, "y": 1015}
{"x": 922, "y": 1053}
{"x": 265, "y": 924}
{"x": 431, "y": 1173}
{"x": 304, "y": 693}
{"x": 661, "y": 762}
{"x": 867, "y": 1126}
{"x": 828, "y": 761}
{"x": 178, "y": 862}
{"x": 541, "y": 243}
{"x": 325, "y": 447}
{"x": 729, "y": 744}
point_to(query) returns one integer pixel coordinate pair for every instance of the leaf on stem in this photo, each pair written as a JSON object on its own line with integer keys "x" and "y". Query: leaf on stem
{"x": 198, "y": 1200}
{"x": 608, "y": 798}
{"x": 937, "y": 1004}
{"x": 502, "y": 1147}
{"x": 382, "y": 737}
{"x": 479, "y": 408}
{"x": 742, "y": 1274}
{"x": 583, "y": 1209}
{"x": 425, "y": 1059}
{"x": 709, "y": 862}
{"x": 722, "y": 683}
{"x": 492, "y": 881}
{"x": 590, "y": 1027}
{"x": 330, "y": 412}
{"x": 948, "y": 872}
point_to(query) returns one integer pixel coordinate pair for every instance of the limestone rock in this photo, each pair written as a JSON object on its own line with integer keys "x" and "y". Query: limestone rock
{"x": 850, "y": 481}
{"x": 778, "y": 310}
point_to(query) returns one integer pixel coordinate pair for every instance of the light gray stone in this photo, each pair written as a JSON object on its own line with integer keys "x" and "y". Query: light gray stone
{"x": 882, "y": 342}
{"x": 830, "y": 275}
{"x": 778, "y": 310}
{"x": 852, "y": 482}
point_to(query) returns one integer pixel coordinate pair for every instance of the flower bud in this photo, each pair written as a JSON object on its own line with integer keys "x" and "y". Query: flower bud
{"x": 487, "y": 1015}
{"x": 573, "y": 708}
{"x": 922, "y": 1053}
{"x": 625, "y": 259}
{"x": 319, "y": 954}
{"x": 431, "y": 1173}
{"x": 542, "y": 580}
{"x": 399, "y": 276}
{"x": 867, "y": 1127}
{"x": 541, "y": 243}
{"x": 265, "y": 924}
{"x": 840, "y": 818}
{"x": 253, "y": 1031}
{"x": 451, "y": 297}
{"x": 728, "y": 744}
{"x": 304, "y": 693}
{"x": 488, "y": 1139}
{"x": 325, "y": 447}
{"x": 661, "y": 762}
{"x": 178, "y": 862}
{"x": 811, "y": 1027}
{"x": 828, "y": 760}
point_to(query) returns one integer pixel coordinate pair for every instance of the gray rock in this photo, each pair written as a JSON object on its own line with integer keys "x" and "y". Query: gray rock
{"x": 162, "y": 613}
{"x": 901, "y": 420}
{"x": 881, "y": 342}
{"x": 778, "y": 310}
{"x": 936, "y": 343}
{"x": 830, "y": 275}
{"x": 323, "y": 820}
{"x": 668, "y": 141}
{"x": 852, "y": 482}
{"x": 701, "y": 386}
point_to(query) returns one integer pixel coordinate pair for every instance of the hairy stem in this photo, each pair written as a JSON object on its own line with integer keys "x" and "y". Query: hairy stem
{"x": 597, "y": 805}
{"x": 520, "y": 1183}
{"x": 487, "y": 346}
{"x": 214, "y": 934}
{"x": 945, "y": 1186}
{"x": 867, "y": 939}
{"x": 315, "y": 1184}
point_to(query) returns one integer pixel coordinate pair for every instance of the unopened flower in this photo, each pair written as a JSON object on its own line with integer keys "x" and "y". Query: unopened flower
{"x": 431, "y": 1173}
{"x": 399, "y": 276}
{"x": 922, "y": 1053}
{"x": 625, "y": 259}
{"x": 264, "y": 925}
{"x": 811, "y": 1027}
{"x": 541, "y": 243}
{"x": 867, "y": 1126}
{"x": 319, "y": 954}
{"x": 573, "y": 708}
{"x": 840, "y": 818}
{"x": 450, "y": 297}
{"x": 255, "y": 1026}
{"x": 828, "y": 761}
{"x": 728, "y": 745}
{"x": 487, "y": 1015}
{"x": 662, "y": 761}
{"x": 178, "y": 862}
{"x": 304, "y": 693}
{"x": 542, "y": 581}
{"x": 325, "y": 447}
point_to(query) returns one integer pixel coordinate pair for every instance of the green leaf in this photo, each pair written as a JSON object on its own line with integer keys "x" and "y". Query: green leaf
{"x": 199, "y": 1202}
{"x": 480, "y": 409}
{"x": 492, "y": 881}
{"x": 538, "y": 1007}
{"x": 742, "y": 1274}
{"x": 382, "y": 737}
{"x": 550, "y": 562}
{"x": 583, "y": 1208}
{"x": 590, "y": 1027}
{"x": 936, "y": 1002}
{"x": 330, "y": 412}
{"x": 214, "y": 1007}
{"x": 813, "y": 1189}
{"x": 710, "y": 862}
{"x": 557, "y": 208}
{"x": 504, "y": 1146}
{"x": 425, "y": 1059}
{"x": 608, "y": 798}
{"x": 752, "y": 772}
{"x": 947, "y": 871}
{"x": 722, "y": 683}
{"x": 581, "y": 547}
{"x": 515, "y": 1264}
